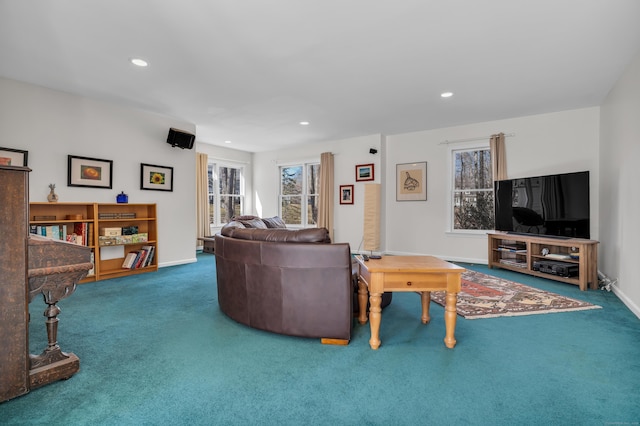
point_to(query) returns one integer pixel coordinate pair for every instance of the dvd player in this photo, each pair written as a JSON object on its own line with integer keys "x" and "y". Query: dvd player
{"x": 561, "y": 269}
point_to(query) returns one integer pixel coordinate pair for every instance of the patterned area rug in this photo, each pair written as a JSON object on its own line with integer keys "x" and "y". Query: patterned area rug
{"x": 485, "y": 296}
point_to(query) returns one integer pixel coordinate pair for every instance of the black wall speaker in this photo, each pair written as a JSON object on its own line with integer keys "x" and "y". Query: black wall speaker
{"x": 373, "y": 151}
{"x": 180, "y": 138}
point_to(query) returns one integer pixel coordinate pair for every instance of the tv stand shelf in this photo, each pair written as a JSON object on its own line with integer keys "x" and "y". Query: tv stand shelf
{"x": 517, "y": 252}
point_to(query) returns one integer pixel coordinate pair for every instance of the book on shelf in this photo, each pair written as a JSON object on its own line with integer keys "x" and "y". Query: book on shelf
{"x": 149, "y": 256}
{"x": 92, "y": 271}
{"x": 515, "y": 245}
{"x": 83, "y": 232}
{"x": 513, "y": 262}
{"x": 56, "y": 232}
{"x": 89, "y": 239}
{"x": 512, "y": 250}
{"x": 141, "y": 258}
{"x": 558, "y": 256}
{"x": 129, "y": 259}
{"x": 80, "y": 229}
{"x": 125, "y": 215}
{"x": 134, "y": 265}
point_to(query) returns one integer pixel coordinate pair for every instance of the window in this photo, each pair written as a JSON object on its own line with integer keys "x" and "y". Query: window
{"x": 226, "y": 193}
{"x": 472, "y": 189}
{"x": 299, "y": 191}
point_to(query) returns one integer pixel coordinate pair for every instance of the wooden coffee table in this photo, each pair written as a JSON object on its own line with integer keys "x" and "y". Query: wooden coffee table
{"x": 421, "y": 274}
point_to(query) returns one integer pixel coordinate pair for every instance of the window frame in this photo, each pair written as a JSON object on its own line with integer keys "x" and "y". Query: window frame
{"x": 304, "y": 193}
{"x": 217, "y": 164}
{"x": 469, "y": 146}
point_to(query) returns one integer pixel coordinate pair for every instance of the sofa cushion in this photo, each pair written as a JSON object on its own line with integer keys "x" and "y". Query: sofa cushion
{"x": 235, "y": 224}
{"x": 308, "y": 235}
{"x": 228, "y": 228}
{"x": 274, "y": 222}
{"x": 244, "y": 217}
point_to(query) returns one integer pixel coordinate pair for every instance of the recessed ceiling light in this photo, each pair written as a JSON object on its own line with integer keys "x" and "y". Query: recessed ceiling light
{"x": 446, "y": 94}
{"x": 139, "y": 62}
{"x": 304, "y": 123}
{"x": 227, "y": 141}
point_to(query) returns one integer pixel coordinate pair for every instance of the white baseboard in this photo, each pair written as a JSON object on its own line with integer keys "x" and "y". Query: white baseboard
{"x": 177, "y": 262}
{"x": 628, "y": 302}
{"x": 466, "y": 260}
{"x": 447, "y": 258}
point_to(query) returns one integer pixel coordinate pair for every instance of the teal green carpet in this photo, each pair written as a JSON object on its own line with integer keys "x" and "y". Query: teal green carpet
{"x": 156, "y": 350}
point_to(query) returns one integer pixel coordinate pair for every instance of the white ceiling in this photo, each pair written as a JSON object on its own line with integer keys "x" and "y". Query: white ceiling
{"x": 249, "y": 71}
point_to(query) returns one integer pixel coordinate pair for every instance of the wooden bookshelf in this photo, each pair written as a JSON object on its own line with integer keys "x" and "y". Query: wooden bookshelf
{"x": 520, "y": 253}
{"x": 93, "y": 218}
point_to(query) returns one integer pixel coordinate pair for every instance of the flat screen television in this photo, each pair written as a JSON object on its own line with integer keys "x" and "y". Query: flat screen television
{"x": 553, "y": 205}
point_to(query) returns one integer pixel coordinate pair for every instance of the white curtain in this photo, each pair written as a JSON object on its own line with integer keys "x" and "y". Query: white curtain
{"x": 202, "y": 196}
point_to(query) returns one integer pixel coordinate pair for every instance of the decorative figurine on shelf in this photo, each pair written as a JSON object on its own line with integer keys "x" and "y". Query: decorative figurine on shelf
{"x": 52, "y": 197}
{"x": 122, "y": 198}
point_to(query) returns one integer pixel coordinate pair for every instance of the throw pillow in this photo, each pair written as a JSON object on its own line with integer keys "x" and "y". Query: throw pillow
{"x": 274, "y": 222}
{"x": 253, "y": 223}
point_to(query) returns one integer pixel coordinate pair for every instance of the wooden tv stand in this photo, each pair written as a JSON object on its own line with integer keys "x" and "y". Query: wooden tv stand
{"x": 519, "y": 252}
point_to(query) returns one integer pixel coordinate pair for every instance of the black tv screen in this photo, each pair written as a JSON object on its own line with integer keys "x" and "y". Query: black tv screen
{"x": 552, "y": 205}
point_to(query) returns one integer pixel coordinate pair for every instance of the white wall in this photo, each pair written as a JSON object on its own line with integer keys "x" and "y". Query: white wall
{"x": 348, "y": 224}
{"x": 557, "y": 142}
{"x": 51, "y": 125}
{"x": 620, "y": 201}
{"x": 543, "y": 144}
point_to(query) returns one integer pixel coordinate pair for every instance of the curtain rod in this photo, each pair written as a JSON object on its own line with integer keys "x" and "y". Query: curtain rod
{"x": 447, "y": 142}
{"x": 228, "y": 160}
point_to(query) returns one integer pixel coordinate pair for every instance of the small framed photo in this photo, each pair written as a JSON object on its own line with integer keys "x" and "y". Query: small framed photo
{"x": 13, "y": 157}
{"x": 156, "y": 178}
{"x": 411, "y": 182}
{"x": 89, "y": 172}
{"x": 364, "y": 172}
{"x": 346, "y": 194}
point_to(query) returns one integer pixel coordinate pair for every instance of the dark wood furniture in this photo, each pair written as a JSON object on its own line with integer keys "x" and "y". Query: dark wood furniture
{"x": 55, "y": 268}
{"x": 14, "y": 308}
{"x": 29, "y": 266}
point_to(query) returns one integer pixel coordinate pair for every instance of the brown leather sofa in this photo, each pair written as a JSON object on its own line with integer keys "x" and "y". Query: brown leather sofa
{"x": 293, "y": 282}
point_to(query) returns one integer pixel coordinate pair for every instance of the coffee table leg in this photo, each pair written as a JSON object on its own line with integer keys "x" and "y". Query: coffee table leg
{"x": 450, "y": 318}
{"x": 375, "y": 315}
{"x": 425, "y": 296}
{"x": 362, "y": 301}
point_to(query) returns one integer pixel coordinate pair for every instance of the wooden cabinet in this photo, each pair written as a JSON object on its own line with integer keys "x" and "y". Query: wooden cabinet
{"x": 14, "y": 310}
{"x": 88, "y": 222}
{"x": 572, "y": 260}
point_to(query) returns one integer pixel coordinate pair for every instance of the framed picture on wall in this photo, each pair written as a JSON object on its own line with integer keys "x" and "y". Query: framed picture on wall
{"x": 411, "y": 182}
{"x": 346, "y": 194}
{"x": 13, "y": 157}
{"x": 89, "y": 172}
{"x": 364, "y": 172}
{"x": 156, "y": 178}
